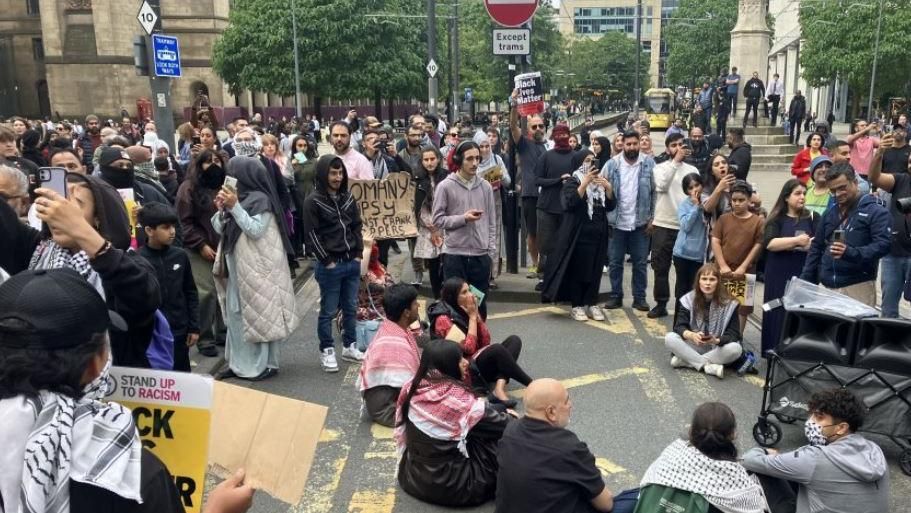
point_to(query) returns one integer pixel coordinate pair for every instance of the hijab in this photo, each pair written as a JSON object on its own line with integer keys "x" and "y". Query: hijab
{"x": 593, "y": 193}
{"x": 256, "y": 194}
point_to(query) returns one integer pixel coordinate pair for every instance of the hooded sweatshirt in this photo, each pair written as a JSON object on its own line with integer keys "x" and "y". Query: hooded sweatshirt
{"x": 452, "y": 199}
{"x": 849, "y": 475}
{"x": 332, "y": 220}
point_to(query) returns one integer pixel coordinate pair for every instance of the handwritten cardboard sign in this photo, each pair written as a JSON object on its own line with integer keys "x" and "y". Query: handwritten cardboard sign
{"x": 742, "y": 290}
{"x": 387, "y": 206}
{"x": 531, "y": 93}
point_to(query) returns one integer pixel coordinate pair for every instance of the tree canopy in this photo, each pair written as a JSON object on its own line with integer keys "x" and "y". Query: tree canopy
{"x": 839, "y": 38}
{"x": 608, "y": 62}
{"x": 698, "y": 36}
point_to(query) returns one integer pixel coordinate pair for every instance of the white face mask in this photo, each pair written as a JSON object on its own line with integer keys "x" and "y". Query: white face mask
{"x": 813, "y": 432}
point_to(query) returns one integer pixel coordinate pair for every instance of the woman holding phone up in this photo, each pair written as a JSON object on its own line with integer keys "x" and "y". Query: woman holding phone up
{"x": 706, "y": 334}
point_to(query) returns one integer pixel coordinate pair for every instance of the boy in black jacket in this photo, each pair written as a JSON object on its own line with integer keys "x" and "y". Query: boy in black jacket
{"x": 179, "y": 301}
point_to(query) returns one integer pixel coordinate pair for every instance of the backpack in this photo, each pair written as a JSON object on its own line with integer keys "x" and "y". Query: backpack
{"x": 655, "y": 498}
{"x": 161, "y": 347}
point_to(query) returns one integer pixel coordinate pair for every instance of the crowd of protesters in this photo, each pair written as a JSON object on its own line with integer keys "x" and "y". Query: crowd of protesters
{"x": 156, "y": 251}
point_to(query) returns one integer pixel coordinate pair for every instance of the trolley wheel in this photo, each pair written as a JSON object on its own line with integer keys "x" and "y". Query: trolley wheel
{"x": 904, "y": 461}
{"x": 768, "y": 433}
{"x": 786, "y": 419}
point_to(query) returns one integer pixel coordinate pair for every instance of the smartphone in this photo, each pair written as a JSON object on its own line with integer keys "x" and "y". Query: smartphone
{"x": 196, "y": 140}
{"x": 231, "y": 184}
{"x": 838, "y": 236}
{"x": 53, "y": 178}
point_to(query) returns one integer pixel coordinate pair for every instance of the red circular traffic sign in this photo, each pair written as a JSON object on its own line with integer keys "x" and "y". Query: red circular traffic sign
{"x": 511, "y": 13}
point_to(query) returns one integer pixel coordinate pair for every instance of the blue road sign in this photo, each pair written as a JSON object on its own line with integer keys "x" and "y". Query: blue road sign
{"x": 166, "y": 54}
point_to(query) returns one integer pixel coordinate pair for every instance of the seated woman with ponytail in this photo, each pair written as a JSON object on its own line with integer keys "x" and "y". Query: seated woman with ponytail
{"x": 447, "y": 436}
{"x": 455, "y": 317}
{"x": 702, "y": 469}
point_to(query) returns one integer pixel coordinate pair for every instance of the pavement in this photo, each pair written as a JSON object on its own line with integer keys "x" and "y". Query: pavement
{"x": 628, "y": 403}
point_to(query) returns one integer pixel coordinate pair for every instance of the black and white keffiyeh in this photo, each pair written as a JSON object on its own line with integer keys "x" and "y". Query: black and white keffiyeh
{"x": 724, "y": 484}
{"x": 84, "y": 440}
{"x": 50, "y": 255}
{"x": 594, "y": 194}
{"x": 718, "y": 315}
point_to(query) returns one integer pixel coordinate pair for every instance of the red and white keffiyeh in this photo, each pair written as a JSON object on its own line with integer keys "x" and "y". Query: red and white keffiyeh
{"x": 392, "y": 358}
{"x": 442, "y": 409}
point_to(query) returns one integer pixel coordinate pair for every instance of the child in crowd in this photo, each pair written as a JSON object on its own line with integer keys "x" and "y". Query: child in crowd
{"x": 737, "y": 240}
{"x": 692, "y": 238}
{"x": 179, "y": 301}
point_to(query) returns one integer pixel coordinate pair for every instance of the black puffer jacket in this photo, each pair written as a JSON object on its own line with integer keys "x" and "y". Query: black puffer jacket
{"x": 332, "y": 222}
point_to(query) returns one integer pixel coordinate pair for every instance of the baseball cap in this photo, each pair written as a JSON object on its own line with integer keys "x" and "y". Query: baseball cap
{"x": 52, "y": 309}
{"x": 819, "y": 160}
{"x": 111, "y": 154}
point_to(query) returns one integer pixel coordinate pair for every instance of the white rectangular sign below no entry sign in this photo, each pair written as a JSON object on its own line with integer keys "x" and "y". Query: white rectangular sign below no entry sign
{"x": 511, "y": 41}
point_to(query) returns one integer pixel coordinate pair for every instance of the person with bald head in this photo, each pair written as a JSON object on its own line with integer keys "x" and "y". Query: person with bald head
{"x": 544, "y": 467}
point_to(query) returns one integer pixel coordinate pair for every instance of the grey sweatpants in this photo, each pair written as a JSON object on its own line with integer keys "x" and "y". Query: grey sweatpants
{"x": 697, "y": 356}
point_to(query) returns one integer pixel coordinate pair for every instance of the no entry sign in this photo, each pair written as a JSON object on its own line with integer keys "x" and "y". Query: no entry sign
{"x": 511, "y": 13}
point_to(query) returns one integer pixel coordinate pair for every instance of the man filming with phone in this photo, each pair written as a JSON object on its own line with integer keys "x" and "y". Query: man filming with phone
{"x": 852, "y": 236}
{"x": 463, "y": 206}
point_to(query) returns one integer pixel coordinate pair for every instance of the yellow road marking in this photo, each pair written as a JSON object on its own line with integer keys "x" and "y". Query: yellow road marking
{"x": 328, "y": 435}
{"x": 697, "y": 383}
{"x": 589, "y": 379}
{"x": 371, "y": 455}
{"x": 755, "y": 380}
{"x": 656, "y": 388}
{"x": 372, "y": 501}
{"x": 616, "y": 321}
{"x": 527, "y": 311}
{"x": 320, "y": 500}
{"x": 381, "y": 432}
{"x": 654, "y": 327}
{"x": 608, "y": 467}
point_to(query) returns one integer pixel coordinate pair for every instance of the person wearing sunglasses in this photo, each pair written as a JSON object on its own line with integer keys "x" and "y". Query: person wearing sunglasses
{"x": 530, "y": 148}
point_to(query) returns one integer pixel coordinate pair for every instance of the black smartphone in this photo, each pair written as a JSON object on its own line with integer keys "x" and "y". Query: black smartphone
{"x": 53, "y": 178}
{"x": 196, "y": 140}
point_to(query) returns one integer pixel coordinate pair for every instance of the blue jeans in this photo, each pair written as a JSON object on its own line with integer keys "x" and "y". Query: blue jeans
{"x": 636, "y": 244}
{"x": 338, "y": 288}
{"x": 895, "y": 271}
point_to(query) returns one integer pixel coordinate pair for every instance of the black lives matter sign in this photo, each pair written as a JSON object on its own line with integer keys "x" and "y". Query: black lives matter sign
{"x": 531, "y": 93}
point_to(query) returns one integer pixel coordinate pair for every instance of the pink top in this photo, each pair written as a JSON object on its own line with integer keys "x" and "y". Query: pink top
{"x": 357, "y": 165}
{"x": 862, "y": 154}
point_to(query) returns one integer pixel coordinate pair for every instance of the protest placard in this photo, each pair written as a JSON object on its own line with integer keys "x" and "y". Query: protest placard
{"x": 129, "y": 202}
{"x": 273, "y": 438}
{"x": 531, "y": 93}
{"x": 742, "y": 290}
{"x": 387, "y": 206}
{"x": 172, "y": 412}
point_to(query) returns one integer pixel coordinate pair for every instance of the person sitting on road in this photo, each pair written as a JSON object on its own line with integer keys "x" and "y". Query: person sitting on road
{"x": 706, "y": 332}
{"x": 456, "y": 317}
{"x": 544, "y": 467}
{"x": 447, "y": 436}
{"x": 392, "y": 357}
{"x": 705, "y": 464}
{"x": 839, "y": 471}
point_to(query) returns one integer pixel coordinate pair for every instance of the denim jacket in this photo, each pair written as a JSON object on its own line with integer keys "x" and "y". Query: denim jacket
{"x": 692, "y": 238}
{"x": 645, "y": 201}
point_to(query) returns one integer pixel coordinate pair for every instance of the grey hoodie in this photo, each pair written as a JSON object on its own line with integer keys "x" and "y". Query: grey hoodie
{"x": 452, "y": 199}
{"x": 849, "y": 475}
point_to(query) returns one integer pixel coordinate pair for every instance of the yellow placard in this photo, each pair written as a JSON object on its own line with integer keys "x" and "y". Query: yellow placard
{"x": 742, "y": 290}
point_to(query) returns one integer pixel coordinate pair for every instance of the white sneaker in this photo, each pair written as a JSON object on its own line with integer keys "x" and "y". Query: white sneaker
{"x": 596, "y": 313}
{"x": 578, "y": 314}
{"x": 327, "y": 360}
{"x": 714, "y": 369}
{"x": 676, "y": 362}
{"x": 352, "y": 354}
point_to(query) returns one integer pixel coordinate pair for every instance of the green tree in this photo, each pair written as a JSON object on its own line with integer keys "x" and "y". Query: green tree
{"x": 839, "y": 39}
{"x": 698, "y": 37}
{"x": 608, "y": 62}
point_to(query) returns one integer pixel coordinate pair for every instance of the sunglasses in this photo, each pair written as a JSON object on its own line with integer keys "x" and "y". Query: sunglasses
{"x": 535, "y": 127}
{"x": 453, "y": 134}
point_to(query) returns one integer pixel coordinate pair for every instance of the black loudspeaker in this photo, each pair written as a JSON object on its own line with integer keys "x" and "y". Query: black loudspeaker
{"x": 817, "y": 336}
{"x": 884, "y": 345}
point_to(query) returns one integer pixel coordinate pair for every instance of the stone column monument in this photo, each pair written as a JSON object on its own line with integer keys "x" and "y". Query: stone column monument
{"x": 750, "y": 41}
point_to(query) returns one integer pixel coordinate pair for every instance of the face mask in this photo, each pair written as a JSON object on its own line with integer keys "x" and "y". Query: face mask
{"x": 213, "y": 177}
{"x": 300, "y": 157}
{"x": 813, "y": 432}
{"x": 245, "y": 148}
{"x": 118, "y": 178}
{"x": 146, "y": 168}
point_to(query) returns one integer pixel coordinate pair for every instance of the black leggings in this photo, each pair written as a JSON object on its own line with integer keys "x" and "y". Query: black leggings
{"x": 499, "y": 361}
{"x": 436, "y": 275}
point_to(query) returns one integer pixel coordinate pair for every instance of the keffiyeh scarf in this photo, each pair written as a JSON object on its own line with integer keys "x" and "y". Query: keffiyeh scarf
{"x": 50, "y": 255}
{"x": 392, "y": 358}
{"x": 718, "y": 316}
{"x": 594, "y": 194}
{"x": 84, "y": 440}
{"x": 725, "y": 484}
{"x": 442, "y": 409}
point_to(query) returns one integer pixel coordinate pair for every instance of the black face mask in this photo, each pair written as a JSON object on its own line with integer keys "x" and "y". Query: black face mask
{"x": 118, "y": 178}
{"x": 212, "y": 178}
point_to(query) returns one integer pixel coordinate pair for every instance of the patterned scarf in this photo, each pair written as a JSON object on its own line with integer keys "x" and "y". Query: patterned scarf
{"x": 594, "y": 194}
{"x": 442, "y": 409}
{"x": 392, "y": 358}
{"x": 84, "y": 440}
{"x": 718, "y": 316}
{"x": 725, "y": 484}
{"x": 50, "y": 255}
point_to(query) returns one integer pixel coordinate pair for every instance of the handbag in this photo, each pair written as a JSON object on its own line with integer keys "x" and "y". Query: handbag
{"x": 365, "y": 330}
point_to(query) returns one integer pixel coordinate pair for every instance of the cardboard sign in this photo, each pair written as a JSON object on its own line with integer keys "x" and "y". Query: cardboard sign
{"x": 531, "y": 93}
{"x": 387, "y": 206}
{"x": 129, "y": 201}
{"x": 742, "y": 290}
{"x": 273, "y": 438}
{"x": 172, "y": 414}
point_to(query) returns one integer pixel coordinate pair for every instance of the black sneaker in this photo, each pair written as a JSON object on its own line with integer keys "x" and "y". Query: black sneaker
{"x": 539, "y": 286}
{"x": 210, "y": 351}
{"x": 657, "y": 312}
{"x": 613, "y": 303}
{"x": 641, "y": 305}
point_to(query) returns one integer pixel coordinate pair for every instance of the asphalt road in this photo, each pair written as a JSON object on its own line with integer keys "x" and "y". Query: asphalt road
{"x": 628, "y": 404}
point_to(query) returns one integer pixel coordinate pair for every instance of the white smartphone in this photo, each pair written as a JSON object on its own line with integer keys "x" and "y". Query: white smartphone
{"x": 231, "y": 184}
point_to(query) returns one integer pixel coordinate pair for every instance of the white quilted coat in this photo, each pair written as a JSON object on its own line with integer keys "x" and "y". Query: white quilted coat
{"x": 265, "y": 288}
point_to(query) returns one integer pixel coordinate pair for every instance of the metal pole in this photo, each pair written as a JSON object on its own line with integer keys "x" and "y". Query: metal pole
{"x": 457, "y": 57}
{"x": 297, "y": 72}
{"x": 452, "y": 98}
{"x": 879, "y": 25}
{"x": 432, "y": 87}
{"x": 636, "y": 86}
